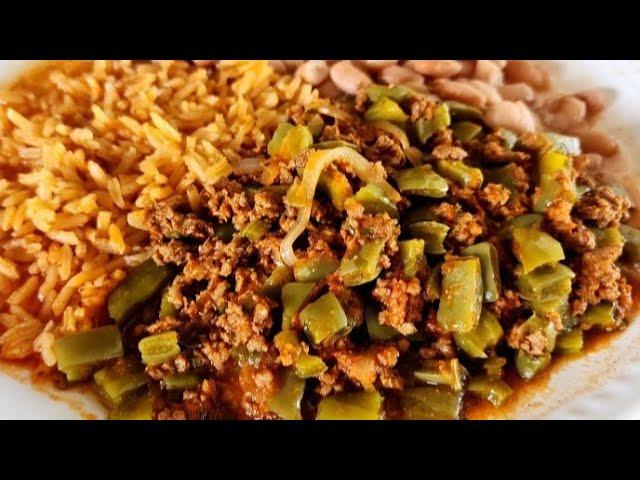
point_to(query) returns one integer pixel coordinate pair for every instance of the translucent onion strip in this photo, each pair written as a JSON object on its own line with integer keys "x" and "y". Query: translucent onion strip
{"x": 302, "y": 195}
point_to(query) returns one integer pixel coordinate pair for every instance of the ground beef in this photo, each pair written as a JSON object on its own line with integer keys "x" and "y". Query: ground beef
{"x": 387, "y": 151}
{"x": 495, "y": 197}
{"x": 571, "y": 231}
{"x": 174, "y": 251}
{"x": 603, "y": 207}
{"x": 507, "y": 308}
{"x": 421, "y": 107}
{"x": 166, "y": 222}
{"x": 228, "y": 202}
{"x": 449, "y": 152}
{"x": 465, "y": 227}
{"x": 375, "y": 363}
{"x": 493, "y": 150}
{"x": 533, "y": 342}
{"x": 598, "y": 279}
{"x": 401, "y": 302}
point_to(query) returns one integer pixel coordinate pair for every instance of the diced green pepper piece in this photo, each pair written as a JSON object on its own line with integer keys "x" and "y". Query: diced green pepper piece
{"x": 503, "y": 175}
{"x": 422, "y": 213}
{"x": 295, "y": 141}
{"x": 281, "y": 275}
{"x": 508, "y": 137}
{"x": 286, "y": 403}
{"x": 571, "y": 341}
{"x": 278, "y": 136}
{"x": 433, "y": 234}
{"x": 421, "y": 181}
{"x": 397, "y": 93}
{"x": 601, "y": 315}
{"x": 546, "y": 282}
{"x": 255, "y": 230}
{"x": 225, "y": 232}
{"x": 488, "y": 256}
{"x": 377, "y": 331}
{"x": 487, "y": 334}
{"x": 442, "y": 372}
{"x": 77, "y": 353}
{"x": 431, "y": 403}
{"x": 351, "y": 406}
{"x": 79, "y": 373}
{"x": 329, "y": 144}
{"x": 314, "y": 269}
{"x": 159, "y": 348}
{"x": 335, "y": 184}
{"x": 529, "y": 366}
{"x": 441, "y": 119}
{"x": 559, "y": 303}
{"x": 608, "y": 237}
{"x": 412, "y": 256}
{"x": 465, "y": 131}
{"x": 632, "y": 244}
{"x": 527, "y": 220}
{"x": 374, "y": 201}
{"x": 494, "y": 390}
{"x": 461, "y": 295}
{"x": 462, "y": 174}
{"x": 564, "y": 144}
{"x": 136, "y": 408}
{"x": 117, "y": 382}
{"x": 140, "y": 285}
{"x": 387, "y": 110}
{"x": 181, "y": 381}
{"x": 293, "y": 296}
{"x": 315, "y": 124}
{"x": 462, "y": 111}
{"x": 323, "y": 318}
{"x": 434, "y": 281}
{"x": 494, "y": 366}
{"x": 551, "y": 166}
{"x": 535, "y": 248}
{"x": 309, "y": 366}
{"x": 363, "y": 266}
{"x": 167, "y": 307}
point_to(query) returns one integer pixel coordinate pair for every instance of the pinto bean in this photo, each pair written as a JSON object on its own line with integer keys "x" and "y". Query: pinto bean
{"x": 435, "y": 68}
{"x": 292, "y": 65}
{"x": 348, "y": 77}
{"x": 527, "y": 72}
{"x": 488, "y": 71}
{"x": 375, "y": 65}
{"x": 487, "y": 90}
{"x": 514, "y": 116}
{"x": 328, "y": 89}
{"x": 397, "y": 75}
{"x": 278, "y": 66}
{"x": 596, "y": 141}
{"x": 468, "y": 67}
{"x": 313, "y": 71}
{"x": 564, "y": 113}
{"x": 517, "y": 92}
{"x": 458, "y": 90}
{"x": 596, "y": 99}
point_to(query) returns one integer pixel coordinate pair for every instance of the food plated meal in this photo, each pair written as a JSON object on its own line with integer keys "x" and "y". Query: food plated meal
{"x": 306, "y": 239}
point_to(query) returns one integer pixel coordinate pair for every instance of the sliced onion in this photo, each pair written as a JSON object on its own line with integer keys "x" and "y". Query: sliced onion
{"x": 394, "y": 131}
{"x": 247, "y": 166}
{"x": 305, "y": 190}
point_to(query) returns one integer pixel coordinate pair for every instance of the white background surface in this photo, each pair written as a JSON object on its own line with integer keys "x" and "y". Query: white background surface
{"x": 602, "y": 385}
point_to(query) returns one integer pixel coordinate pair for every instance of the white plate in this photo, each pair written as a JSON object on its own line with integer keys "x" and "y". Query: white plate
{"x": 602, "y": 385}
